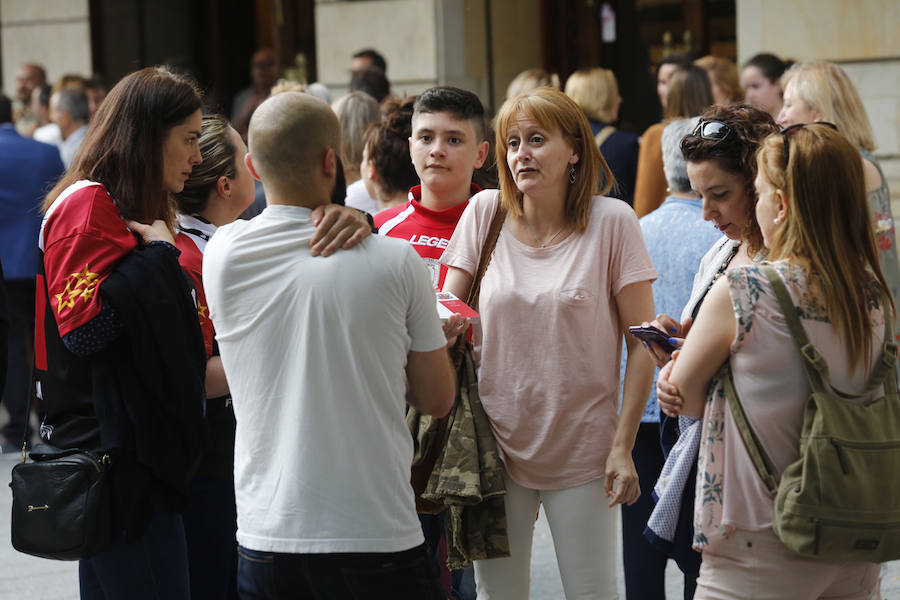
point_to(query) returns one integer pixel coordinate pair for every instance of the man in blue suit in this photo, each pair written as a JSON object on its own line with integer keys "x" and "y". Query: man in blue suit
{"x": 28, "y": 169}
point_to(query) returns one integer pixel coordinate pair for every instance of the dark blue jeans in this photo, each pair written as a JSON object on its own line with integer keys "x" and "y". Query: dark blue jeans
{"x": 645, "y": 566}
{"x": 406, "y": 575}
{"x": 155, "y": 567}
{"x": 210, "y": 524}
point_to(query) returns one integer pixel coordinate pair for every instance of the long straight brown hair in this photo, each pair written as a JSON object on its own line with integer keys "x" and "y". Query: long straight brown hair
{"x": 828, "y": 224}
{"x": 689, "y": 93}
{"x": 123, "y": 145}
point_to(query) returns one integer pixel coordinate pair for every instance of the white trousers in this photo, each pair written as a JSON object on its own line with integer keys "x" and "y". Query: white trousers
{"x": 584, "y": 536}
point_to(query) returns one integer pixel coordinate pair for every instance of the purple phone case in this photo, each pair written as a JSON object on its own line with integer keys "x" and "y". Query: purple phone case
{"x": 652, "y": 334}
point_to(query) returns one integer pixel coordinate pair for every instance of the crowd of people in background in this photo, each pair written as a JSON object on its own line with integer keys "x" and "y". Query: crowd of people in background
{"x": 219, "y": 303}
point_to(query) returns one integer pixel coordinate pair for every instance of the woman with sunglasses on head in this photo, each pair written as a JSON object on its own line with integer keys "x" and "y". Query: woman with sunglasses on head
{"x": 568, "y": 275}
{"x": 721, "y": 167}
{"x": 822, "y": 91}
{"x": 677, "y": 238}
{"x": 811, "y": 188}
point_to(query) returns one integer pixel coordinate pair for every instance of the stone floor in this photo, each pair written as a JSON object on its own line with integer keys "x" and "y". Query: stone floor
{"x": 23, "y": 577}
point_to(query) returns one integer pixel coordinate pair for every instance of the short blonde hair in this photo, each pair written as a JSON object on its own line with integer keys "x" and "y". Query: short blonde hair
{"x": 725, "y": 74}
{"x": 554, "y": 111}
{"x": 596, "y": 92}
{"x": 825, "y": 87}
{"x": 530, "y": 79}
{"x": 286, "y": 85}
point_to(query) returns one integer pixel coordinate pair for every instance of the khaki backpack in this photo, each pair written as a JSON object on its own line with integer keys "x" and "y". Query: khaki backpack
{"x": 841, "y": 499}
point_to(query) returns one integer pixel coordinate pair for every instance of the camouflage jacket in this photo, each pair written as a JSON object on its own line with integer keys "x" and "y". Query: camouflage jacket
{"x": 468, "y": 477}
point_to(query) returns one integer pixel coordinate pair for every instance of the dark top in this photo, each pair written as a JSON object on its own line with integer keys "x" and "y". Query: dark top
{"x": 620, "y": 150}
{"x": 141, "y": 395}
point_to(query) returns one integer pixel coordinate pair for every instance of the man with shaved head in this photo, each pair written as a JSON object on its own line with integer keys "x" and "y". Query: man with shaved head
{"x": 315, "y": 350}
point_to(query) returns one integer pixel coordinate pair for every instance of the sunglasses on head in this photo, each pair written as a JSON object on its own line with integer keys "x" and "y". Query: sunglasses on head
{"x": 791, "y": 130}
{"x": 712, "y": 130}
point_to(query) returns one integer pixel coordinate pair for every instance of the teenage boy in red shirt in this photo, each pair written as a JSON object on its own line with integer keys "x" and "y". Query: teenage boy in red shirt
{"x": 448, "y": 143}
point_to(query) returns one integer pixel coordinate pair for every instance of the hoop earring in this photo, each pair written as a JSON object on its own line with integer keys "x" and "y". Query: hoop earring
{"x": 571, "y": 173}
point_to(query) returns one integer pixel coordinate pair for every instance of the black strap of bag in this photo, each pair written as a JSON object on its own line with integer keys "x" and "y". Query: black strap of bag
{"x": 816, "y": 373}
{"x": 814, "y": 364}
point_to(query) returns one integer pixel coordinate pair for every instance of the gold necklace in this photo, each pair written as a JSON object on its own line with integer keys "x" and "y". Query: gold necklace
{"x": 535, "y": 237}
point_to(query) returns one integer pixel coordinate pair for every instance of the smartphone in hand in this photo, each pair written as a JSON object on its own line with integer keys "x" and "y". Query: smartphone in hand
{"x": 652, "y": 334}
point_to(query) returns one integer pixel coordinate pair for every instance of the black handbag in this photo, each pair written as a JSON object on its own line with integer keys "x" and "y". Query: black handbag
{"x": 61, "y": 503}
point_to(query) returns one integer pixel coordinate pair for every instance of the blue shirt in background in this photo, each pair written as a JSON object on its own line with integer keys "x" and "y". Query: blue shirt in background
{"x": 677, "y": 237}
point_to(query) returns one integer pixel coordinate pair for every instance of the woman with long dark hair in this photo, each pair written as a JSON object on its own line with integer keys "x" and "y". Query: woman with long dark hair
{"x": 761, "y": 78}
{"x": 119, "y": 353}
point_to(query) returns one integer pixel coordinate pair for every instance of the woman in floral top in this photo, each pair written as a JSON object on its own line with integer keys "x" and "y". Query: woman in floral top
{"x": 721, "y": 164}
{"x": 811, "y": 187}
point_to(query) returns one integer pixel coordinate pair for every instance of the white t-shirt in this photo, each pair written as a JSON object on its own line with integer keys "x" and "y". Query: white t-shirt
{"x": 315, "y": 351}
{"x": 358, "y": 198}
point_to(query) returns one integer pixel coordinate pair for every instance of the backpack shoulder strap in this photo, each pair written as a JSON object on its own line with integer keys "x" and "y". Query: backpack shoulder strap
{"x": 603, "y": 134}
{"x": 813, "y": 363}
{"x": 885, "y": 372}
{"x": 815, "y": 367}
{"x": 764, "y": 465}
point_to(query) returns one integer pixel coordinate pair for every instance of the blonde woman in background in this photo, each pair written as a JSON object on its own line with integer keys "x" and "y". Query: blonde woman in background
{"x": 530, "y": 79}
{"x": 218, "y": 190}
{"x": 822, "y": 91}
{"x": 724, "y": 79}
{"x": 597, "y": 93}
